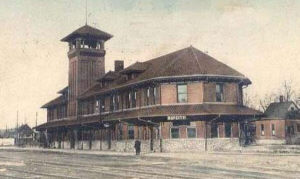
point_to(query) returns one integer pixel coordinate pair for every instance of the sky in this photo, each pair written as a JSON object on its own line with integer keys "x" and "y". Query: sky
{"x": 259, "y": 38}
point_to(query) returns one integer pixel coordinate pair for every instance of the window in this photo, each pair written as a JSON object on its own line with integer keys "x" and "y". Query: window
{"x": 130, "y": 129}
{"x": 182, "y": 93}
{"x": 191, "y": 132}
{"x": 117, "y": 102}
{"x": 298, "y": 127}
{"x": 112, "y": 102}
{"x": 174, "y": 133}
{"x": 227, "y": 129}
{"x": 128, "y": 101}
{"x": 120, "y": 131}
{"x": 133, "y": 98}
{"x": 214, "y": 130}
{"x": 273, "y": 129}
{"x": 97, "y": 106}
{"x": 219, "y": 92}
{"x": 102, "y": 104}
{"x": 147, "y": 96}
{"x": 262, "y": 129}
{"x": 154, "y": 95}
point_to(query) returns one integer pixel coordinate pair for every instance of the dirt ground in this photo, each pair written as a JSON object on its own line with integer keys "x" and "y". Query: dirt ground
{"x": 22, "y": 163}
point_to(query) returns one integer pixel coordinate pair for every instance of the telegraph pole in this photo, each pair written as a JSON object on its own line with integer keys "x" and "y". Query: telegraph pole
{"x": 17, "y": 130}
{"x": 36, "y": 116}
{"x": 17, "y": 119}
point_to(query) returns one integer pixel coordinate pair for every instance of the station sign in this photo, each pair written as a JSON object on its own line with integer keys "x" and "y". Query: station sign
{"x": 173, "y": 118}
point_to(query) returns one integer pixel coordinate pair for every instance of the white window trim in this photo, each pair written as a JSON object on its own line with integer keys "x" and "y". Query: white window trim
{"x": 191, "y": 127}
{"x": 178, "y": 132}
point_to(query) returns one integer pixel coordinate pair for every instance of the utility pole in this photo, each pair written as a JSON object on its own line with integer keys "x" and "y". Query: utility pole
{"x": 17, "y": 119}
{"x": 17, "y": 130}
{"x": 36, "y": 116}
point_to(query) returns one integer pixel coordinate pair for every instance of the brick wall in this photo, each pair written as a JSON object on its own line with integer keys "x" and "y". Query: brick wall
{"x": 195, "y": 92}
{"x": 279, "y": 129}
{"x": 231, "y": 92}
{"x": 169, "y": 94}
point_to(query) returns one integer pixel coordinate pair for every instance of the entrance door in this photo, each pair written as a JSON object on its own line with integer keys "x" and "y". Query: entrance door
{"x": 72, "y": 140}
{"x": 151, "y": 138}
{"x": 109, "y": 138}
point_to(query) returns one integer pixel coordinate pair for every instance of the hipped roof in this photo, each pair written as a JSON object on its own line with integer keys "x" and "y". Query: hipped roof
{"x": 279, "y": 109}
{"x": 182, "y": 63}
{"x": 87, "y": 32}
{"x": 57, "y": 101}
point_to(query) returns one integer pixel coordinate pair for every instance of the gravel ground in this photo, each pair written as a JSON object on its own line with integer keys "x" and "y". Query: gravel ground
{"x": 39, "y": 163}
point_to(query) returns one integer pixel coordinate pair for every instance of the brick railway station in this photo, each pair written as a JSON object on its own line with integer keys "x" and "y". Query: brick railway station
{"x": 182, "y": 101}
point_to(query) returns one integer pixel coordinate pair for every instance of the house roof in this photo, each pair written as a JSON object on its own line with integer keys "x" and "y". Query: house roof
{"x": 109, "y": 76}
{"x": 159, "y": 111}
{"x": 57, "y": 101}
{"x": 186, "y": 62}
{"x": 89, "y": 32}
{"x": 64, "y": 90}
{"x": 279, "y": 109}
{"x": 25, "y": 129}
{"x": 136, "y": 67}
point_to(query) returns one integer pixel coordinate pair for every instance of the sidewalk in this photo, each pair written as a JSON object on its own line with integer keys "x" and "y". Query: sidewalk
{"x": 67, "y": 151}
{"x": 258, "y": 150}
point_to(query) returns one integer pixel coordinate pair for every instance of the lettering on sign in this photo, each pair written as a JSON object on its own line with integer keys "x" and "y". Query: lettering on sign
{"x": 171, "y": 118}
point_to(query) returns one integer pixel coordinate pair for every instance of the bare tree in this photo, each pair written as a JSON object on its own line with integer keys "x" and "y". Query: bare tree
{"x": 266, "y": 101}
{"x": 287, "y": 90}
{"x": 249, "y": 100}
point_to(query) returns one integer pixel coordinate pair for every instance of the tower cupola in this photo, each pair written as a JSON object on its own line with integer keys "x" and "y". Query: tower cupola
{"x": 87, "y": 37}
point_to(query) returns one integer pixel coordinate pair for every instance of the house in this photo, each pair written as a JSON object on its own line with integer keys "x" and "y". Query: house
{"x": 280, "y": 124}
{"x": 24, "y": 135}
{"x": 182, "y": 101}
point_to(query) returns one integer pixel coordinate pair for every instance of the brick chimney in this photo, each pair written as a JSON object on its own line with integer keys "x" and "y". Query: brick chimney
{"x": 119, "y": 65}
{"x": 281, "y": 99}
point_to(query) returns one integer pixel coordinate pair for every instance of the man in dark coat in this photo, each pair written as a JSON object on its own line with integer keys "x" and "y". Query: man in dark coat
{"x": 137, "y": 146}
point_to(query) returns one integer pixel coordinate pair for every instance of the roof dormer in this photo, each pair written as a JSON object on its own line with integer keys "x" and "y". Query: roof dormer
{"x": 134, "y": 70}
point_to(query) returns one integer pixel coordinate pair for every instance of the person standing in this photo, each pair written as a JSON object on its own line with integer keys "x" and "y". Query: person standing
{"x": 137, "y": 146}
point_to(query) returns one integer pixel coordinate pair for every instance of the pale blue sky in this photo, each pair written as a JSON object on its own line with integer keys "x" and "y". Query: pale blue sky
{"x": 261, "y": 39}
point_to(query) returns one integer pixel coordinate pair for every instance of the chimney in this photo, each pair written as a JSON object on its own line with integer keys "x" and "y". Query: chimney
{"x": 281, "y": 98}
{"x": 119, "y": 65}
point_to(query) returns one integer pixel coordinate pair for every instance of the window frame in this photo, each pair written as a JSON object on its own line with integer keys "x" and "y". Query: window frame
{"x": 129, "y": 135}
{"x": 262, "y": 129}
{"x": 273, "y": 129}
{"x": 222, "y": 96}
{"x": 154, "y": 94}
{"x": 187, "y": 133}
{"x": 171, "y": 136}
{"x": 177, "y": 92}
{"x": 147, "y": 92}
{"x": 133, "y": 98}
{"x": 226, "y": 124}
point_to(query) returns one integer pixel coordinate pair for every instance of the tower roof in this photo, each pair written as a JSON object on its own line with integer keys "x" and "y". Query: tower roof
{"x": 88, "y": 32}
